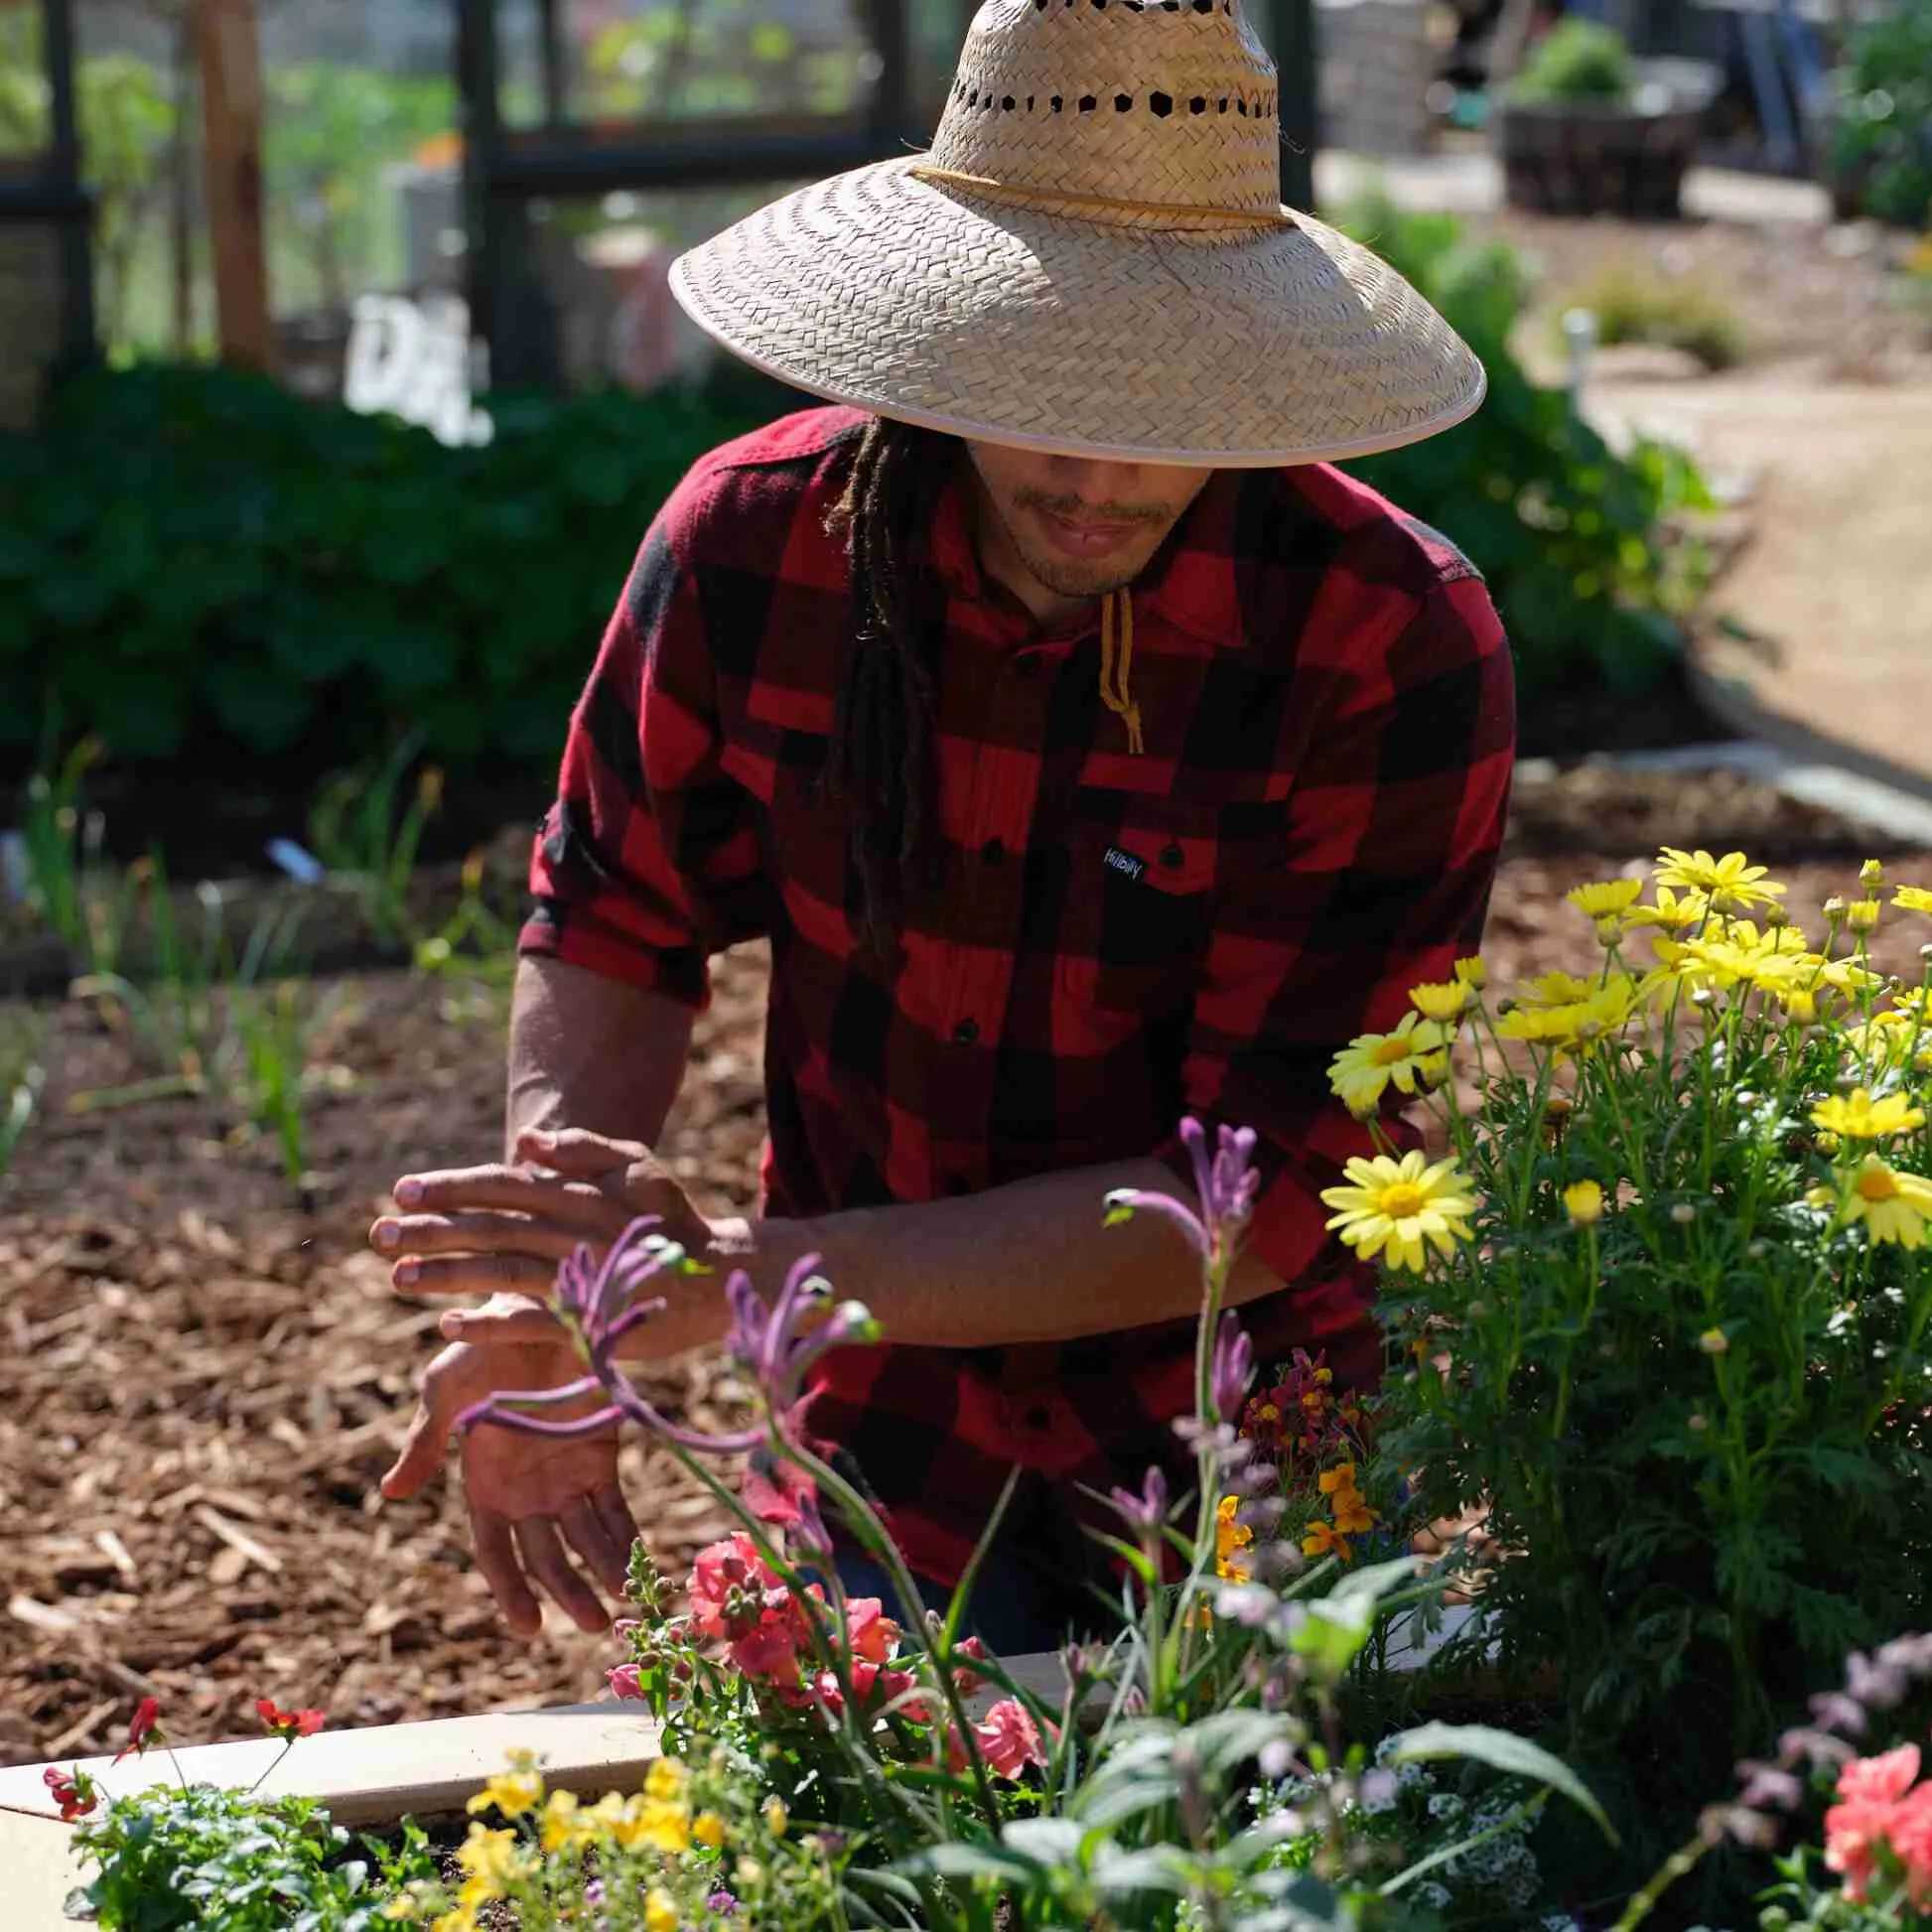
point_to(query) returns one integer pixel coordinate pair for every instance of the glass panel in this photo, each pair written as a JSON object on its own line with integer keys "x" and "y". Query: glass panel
{"x": 134, "y": 92}
{"x": 589, "y": 301}
{"x": 26, "y": 120}
{"x": 629, "y": 61}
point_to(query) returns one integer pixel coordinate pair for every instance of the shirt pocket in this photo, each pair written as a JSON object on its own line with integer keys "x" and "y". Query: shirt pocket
{"x": 1139, "y": 906}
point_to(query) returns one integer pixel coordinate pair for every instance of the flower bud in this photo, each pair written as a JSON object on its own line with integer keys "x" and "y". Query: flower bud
{"x": 1699, "y": 1424}
{"x": 1872, "y": 873}
{"x": 1834, "y": 908}
{"x": 1476, "y": 1310}
{"x": 1583, "y": 1201}
{"x": 1714, "y": 1341}
{"x": 1683, "y": 1213}
{"x": 1861, "y": 916}
{"x": 1610, "y": 934}
{"x": 1825, "y": 1142}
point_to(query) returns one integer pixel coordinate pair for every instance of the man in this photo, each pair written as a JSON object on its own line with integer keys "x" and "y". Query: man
{"x": 1090, "y": 753}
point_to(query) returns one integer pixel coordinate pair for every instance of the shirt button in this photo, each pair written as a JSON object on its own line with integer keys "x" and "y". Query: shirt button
{"x": 992, "y": 852}
{"x": 966, "y": 1031}
{"x": 1172, "y": 857}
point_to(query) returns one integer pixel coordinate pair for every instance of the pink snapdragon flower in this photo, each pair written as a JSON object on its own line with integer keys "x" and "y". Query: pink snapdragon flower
{"x": 1859, "y": 1826}
{"x": 1009, "y": 1739}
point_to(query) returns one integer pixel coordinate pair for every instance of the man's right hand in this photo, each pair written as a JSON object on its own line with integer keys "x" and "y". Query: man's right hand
{"x": 528, "y": 1495}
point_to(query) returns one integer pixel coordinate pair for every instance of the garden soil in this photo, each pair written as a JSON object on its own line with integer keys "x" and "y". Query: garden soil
{"x": 202, "y": 1374}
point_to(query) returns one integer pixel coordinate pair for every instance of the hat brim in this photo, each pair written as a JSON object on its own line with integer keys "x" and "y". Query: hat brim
{"x": 1012, "y": 323}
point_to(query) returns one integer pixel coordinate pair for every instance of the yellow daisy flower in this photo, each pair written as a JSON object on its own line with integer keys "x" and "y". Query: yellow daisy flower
{"x": 1361, "y": 1072}
{"x": 1583, "y": 1201}
{"x": 1554, "y": 990}
{"x": 1892, "y": 1205}
{"x": 1882, "y": 1038}
{"x": 1669, "y": 914}
{"x": 1401, "y": 1209}
{"x": 1911, "y": 899}
{"x": 1730, "y": 883}
{"x": 1444, "y": 1002}
{"x": 1472, "y": 972}
{"x": 1604, "y": 1010}
{"x": 1861, "y": 1117}
{"x": 1606, "y": 898}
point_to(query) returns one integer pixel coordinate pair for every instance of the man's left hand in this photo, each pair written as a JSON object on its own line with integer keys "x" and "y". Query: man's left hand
{"x": 505, "y": 1226}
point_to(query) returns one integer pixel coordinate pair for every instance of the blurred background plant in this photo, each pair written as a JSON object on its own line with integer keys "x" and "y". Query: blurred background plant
{"x": 1638, "y": 303}
{"x": 1880, "y": 115}
{"x": 1579, "y": 62}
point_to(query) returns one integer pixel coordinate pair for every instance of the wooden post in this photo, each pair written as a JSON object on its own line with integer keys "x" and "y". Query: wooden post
{"x": 1297, "y": 60}
{"x": 227, "y": 47}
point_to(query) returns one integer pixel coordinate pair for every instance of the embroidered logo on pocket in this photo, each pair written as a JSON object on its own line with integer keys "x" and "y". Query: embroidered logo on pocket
{"x": 1124, "y": 862}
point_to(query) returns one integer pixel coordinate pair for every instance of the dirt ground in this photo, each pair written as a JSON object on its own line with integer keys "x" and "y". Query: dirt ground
{"x": 202, "y": 1382}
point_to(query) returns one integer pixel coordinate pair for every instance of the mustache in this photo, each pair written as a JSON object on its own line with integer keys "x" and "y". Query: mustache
{"x": 1075, "y": 508}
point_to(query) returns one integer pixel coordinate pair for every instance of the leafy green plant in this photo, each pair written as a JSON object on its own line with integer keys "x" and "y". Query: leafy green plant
{"x": 196, "y": 565}
{"x": 1634, "y": 305}
{"x": 1881, "y": 126}
{"x": 21, "y": 1081}
{"x": 1590, "y": 556}
{"x": 232, "y": 1861}
{"x": 86, "y": 902}
{"x": 1669, "y": 1319}
{"x": 1577, "y": 62}
{"x": 354, "y": 830}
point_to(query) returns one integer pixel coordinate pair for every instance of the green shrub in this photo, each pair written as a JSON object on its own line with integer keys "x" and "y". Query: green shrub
{"x": 1577, "y": 543}
{"x": 195, "y": 564}
{"x": 1634, "y": 305}
{"x": 1577, "y": 61}
{"x": 1882, "y": 133}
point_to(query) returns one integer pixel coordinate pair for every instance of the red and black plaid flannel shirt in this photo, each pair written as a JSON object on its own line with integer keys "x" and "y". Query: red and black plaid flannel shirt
{"x": 1313, "y": 828}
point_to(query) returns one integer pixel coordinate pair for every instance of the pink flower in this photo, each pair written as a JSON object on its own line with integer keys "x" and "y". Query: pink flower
{"x": 873, "y": 1633}
{"x": 969, "y": 1680}
{"x": 1910, "y": 1832}
{"x": 624, "y": 1681}
{"x": 1868, "y": 1790}
{"x": 769, "y": 1650}
{"x": 144, "y": 1730}
{"x": 1009, "y": 1739}
{"x": 732, "y": 1587}
{"x": 288, "y": 1724}
{"x": 73, "y": 1791}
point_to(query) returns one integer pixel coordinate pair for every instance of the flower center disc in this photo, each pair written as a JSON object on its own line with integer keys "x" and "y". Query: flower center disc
{"x": 1391, "y": 1050}
{"x": 1878, "y": 1184}
{"x": 1402, "y": 1201}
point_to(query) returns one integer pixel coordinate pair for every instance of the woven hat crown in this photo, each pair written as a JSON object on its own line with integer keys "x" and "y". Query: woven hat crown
{"x": 1141, "y": 109}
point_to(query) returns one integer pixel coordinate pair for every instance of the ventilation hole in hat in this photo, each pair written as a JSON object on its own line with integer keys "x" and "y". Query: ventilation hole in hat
{"x": 1030, "y": 103}
{"x": 1122, "y": 102}
{"x": 1161, "y": 104}
{"x": 1224, "y": 103}
{"x": 1203, "y": 6}
{"x": 1241, "y": 105}
{"x": 1198, "y": 105}
{"x": 1007, "y": 102}
{"x": 973, "y": 99}
{"x": 1088, "y": 103}
{"x": 1057, "y": 104}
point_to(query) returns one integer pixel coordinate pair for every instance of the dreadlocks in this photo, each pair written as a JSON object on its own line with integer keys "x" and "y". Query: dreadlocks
{"x": 881, "y": 759}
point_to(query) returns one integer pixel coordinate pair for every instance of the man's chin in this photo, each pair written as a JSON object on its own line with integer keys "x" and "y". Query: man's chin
{"x": 1097, "y": 579}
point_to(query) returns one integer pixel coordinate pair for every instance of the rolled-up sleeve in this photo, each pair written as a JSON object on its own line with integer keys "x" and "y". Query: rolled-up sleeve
{"x": 1380, "y": 879}
{"x": 650, "y": 860}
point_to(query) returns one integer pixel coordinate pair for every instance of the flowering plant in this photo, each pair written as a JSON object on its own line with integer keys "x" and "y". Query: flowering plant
{"x": 1665, "y": 1303}
{"x": 917, "y": 1781}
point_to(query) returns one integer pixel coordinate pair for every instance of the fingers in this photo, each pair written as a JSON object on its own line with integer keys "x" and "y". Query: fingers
{"x": 577, "y": 1151}
{"x": 495, "y": 1547}
{"x": 589, "y": 1535}
{"x": 422, "y": 1449}
{"x": 417, "y": 1235}
{"x": 619, "y": 1523}
{"x": 554, "y": 1197}
{"x": 476, "y": 1275}
{"x": 493, "y": 1327}
{"x": 542, "y": 1551}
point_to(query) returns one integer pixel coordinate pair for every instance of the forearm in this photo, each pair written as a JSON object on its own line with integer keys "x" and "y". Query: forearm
{"x": 1026, "y": 1261}
{"x": 592, "y": 1052}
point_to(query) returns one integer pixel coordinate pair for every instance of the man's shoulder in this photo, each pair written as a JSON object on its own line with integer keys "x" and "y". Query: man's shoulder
{"x": 1350, "y": 570}
{"x": 761, "y": 481}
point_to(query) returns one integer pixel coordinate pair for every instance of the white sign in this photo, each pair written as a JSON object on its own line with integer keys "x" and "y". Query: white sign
{"x": 412, "y": 361}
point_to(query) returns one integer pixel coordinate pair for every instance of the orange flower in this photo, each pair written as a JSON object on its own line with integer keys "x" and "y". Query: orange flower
{"x": 1323, "y": 1538}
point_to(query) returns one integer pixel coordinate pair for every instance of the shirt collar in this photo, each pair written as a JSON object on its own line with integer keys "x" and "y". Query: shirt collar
{"x": 1189, "y": 582}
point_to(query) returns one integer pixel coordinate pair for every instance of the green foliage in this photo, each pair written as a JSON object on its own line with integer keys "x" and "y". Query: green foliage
{"x": 1581, "y": 547}
{"x": 230, "y": 1861}
{"x": 21, "y": 1080}
{"x": 1693, "y": 1402}
{"x": 1577, "y": 62}
{"x": 1881, "y": 132}
{"x": 1634, "y": 305}
{"x": 193, "y": 563}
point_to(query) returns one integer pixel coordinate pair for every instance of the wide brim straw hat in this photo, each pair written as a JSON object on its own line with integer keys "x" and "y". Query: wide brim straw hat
{"x": 1091, "y": 261}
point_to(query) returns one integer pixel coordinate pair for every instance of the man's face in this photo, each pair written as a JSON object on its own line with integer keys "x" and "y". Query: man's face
{"x": 1077, "y": 528}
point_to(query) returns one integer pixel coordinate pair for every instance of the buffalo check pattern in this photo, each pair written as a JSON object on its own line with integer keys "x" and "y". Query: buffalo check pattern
{"x": 1111, "y": 941}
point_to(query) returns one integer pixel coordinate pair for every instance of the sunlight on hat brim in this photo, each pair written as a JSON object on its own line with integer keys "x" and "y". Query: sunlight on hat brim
{"x": 971, "y": 314}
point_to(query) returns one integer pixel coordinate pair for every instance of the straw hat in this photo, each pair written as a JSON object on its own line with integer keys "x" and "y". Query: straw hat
{"x": 1092, "y": 259}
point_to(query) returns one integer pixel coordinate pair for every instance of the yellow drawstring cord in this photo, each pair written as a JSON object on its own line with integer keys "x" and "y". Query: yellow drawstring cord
{"x": 1114, "y": 693}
